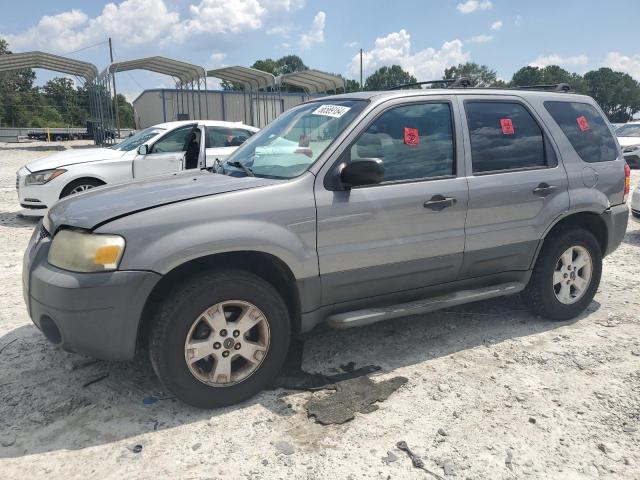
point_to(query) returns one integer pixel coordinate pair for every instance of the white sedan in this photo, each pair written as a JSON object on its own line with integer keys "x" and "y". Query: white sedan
{"x": 629, "y": 139}
{"x": 159, "y": 150}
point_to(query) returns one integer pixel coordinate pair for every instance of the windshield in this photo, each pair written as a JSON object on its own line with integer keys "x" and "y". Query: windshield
{"x": 290, "y": 144}
{"x": 631, "y": 130}
{"x": 138, "y": 139}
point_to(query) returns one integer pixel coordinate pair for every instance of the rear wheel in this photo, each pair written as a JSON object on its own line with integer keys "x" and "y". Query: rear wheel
{"x": 79, "y": 186}
{"x": 566, "y": 275}
{"x": 220, "y": 338}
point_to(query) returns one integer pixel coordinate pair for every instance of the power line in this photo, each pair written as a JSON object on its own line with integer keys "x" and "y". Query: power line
{"x": 86, "y": 48}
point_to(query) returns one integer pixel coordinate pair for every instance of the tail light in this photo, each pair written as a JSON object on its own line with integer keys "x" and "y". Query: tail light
{"x": 627, "y": 181}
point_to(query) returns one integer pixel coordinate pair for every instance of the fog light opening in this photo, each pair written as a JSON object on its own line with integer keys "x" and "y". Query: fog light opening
{"x": 50, "y": 330}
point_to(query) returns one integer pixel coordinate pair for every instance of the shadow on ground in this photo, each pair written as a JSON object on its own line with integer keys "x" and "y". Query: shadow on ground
{"x": 47, "y": 394}
{"x": 13, "y": 220}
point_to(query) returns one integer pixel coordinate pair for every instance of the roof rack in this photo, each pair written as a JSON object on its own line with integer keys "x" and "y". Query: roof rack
{"x": 558, "y": 87}
{"x": 463, "y": 82}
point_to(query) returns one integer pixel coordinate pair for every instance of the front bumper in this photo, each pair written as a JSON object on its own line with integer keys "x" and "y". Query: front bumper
{"x": 35, "y": 200}
{"x": 96, "y": 314}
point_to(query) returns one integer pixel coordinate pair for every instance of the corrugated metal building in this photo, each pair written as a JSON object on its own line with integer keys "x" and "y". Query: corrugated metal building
{"x": 166, "y": 105}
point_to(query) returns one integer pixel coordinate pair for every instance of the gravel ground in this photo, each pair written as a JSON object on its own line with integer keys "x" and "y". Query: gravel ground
{"x": 492, "y": 392}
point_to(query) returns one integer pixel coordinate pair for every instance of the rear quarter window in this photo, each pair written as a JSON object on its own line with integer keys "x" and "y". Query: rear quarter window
{"x": 585, "y": 129}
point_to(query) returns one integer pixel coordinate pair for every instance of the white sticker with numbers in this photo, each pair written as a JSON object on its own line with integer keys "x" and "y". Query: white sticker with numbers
{"x": 331, "y": 110}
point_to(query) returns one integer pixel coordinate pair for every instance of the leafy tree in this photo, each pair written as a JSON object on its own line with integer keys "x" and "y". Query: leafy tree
{"x": 286, "y": 64}
{"x": 480, "y": 75}
{"x": 388, "y": 77}
{"x": 617, "y": 93}
{"x": 125, "y": 112}
{"x": 550, "y": 75}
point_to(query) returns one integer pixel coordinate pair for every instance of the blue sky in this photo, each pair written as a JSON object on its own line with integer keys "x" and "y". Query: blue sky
{"x": 423, "y": 36}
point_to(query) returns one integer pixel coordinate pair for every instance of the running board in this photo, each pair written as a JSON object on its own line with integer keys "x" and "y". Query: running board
{"x": 366, "y": 316}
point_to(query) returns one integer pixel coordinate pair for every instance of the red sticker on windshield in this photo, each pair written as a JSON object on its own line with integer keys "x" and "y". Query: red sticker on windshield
{"x": 507, "y": 126}
{"x": 411, "y": 136}
{"x": 582, "y": 123}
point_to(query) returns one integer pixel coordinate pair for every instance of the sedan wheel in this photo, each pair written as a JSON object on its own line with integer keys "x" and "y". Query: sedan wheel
{"x": 80, "y": 189}
{"x": 572, "y": 275}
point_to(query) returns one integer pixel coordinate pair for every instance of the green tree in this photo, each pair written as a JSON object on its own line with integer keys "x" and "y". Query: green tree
{"x": 549, "y": 75}
{"x": 286, "y": 64}
{"x": 617, "y": 93}
{"x": 16, "y": 92}
{"x": 480, "y": 75}
{"x": 125, "y": 112}
{"x": 388, "y": 77}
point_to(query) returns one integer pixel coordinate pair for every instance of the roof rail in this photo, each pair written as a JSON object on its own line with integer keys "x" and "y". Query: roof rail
{"x": 558, "y": 87}
{"x": 463, "y": 82}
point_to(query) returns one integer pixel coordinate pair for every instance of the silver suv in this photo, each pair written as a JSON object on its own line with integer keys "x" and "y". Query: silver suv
{"x": 350, "y": 210}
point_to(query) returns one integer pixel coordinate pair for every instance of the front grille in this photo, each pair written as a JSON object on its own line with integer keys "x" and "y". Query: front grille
{"x": 33, "y": 207}
{"x": 43, "y": 233}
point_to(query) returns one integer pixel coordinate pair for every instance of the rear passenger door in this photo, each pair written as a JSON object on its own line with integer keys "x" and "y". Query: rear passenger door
{"x": 517, "y": 187}
{"x": 408, "y": 231}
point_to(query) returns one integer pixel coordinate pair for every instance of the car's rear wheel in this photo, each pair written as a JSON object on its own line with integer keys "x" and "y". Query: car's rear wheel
{"x": 220, "y": 338}
{"x": 79, "y": 186}
{"x": 566, "y": 274}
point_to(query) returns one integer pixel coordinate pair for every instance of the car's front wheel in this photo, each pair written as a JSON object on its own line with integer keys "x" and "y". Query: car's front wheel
{"x": 566, "y": 274}
{"x": 220, "y": 338}
{"x": 79, "y": 186}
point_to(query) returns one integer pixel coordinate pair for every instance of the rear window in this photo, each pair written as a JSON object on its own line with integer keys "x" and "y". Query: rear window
{"x": 504, "y": 136}
{"x": 585, "y": 128}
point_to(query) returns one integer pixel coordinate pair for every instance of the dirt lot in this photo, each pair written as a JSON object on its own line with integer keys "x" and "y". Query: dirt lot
{"x": 492, "y": 392}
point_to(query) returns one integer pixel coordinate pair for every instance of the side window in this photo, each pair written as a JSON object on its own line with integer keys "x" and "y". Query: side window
{"x": 504, "y": 136}
{"x": 226, "y": 137}
{"x": 175, "y": 141}
{"x": 585, "y": 128}
{"x": 414, "y": 142}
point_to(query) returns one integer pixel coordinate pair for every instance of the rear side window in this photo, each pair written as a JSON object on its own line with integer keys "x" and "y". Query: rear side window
{"x": 414, "y": 142}
{"x": 504, "y": 136}
{"x": 226, "y": 137}
{"x": 585, "y": 128}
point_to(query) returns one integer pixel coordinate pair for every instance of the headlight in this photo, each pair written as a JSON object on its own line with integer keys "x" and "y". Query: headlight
{"x": 40, "y": 178}
{"x": 85, "y": 252}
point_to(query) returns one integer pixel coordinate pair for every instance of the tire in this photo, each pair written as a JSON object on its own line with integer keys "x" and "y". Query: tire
{"x": 79, "y": 185}
{"x": 543, "y": 296}
{"x": 181, "y": 314}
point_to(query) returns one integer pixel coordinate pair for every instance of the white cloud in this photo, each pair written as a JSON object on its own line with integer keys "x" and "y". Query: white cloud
{"x": 131, "y": 21}
{"x": 220, "y": 16}
{"x": 555, "y": 59}
{"x": 351, "y": 44}
{"x": 623, "y": 63}
{"x": 481, "y": 39}
{"x": 472, "y": 5}
{"x": 497, "y": 25}
{"x": 278, "y": 30}
{"x": 285, "y": 45}
{"x": 518, "y": 20}
{"x": 316, "y": 32}
{"x": 216, "y": 59}
{"x": 395, "y": 48}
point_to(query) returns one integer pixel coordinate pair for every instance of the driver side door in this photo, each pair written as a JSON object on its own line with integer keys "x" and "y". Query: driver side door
{"x": 166, "y": 155}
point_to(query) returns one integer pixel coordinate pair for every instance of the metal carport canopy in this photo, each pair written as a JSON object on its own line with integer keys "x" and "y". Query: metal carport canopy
{"x": 312, "y": 81}
{"x": 248, "y": 77}
{"x": 185, "y": 72}
{"x": 48, "y": 61}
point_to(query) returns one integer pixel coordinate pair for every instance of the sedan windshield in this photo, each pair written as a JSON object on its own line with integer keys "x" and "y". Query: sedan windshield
{"x": 630, "y": 130}
{"x": 138, "y": 139}
{"x": 295, "y": 140}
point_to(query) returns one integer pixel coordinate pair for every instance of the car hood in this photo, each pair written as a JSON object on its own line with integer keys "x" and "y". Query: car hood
{"x": 97, "y": 206}
{"x": 626, "y": 141}
{"x": 71, "y": 157}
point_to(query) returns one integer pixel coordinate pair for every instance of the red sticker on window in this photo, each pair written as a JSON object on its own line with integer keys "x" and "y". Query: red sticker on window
{"x": 582, "y": 123}
{"x": 411, "y": 136}
{"x": 507, "y": 126}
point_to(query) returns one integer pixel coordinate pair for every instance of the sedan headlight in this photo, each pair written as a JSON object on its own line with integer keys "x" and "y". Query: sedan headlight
{"x": 81, "y": 251}
{"x": 42, "y": 177}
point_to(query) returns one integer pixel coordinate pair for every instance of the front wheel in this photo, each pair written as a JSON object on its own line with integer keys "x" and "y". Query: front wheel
{"x": 79, "y": 186}
{"x": 566, "y": 275}
{"x": 220, "y": 338}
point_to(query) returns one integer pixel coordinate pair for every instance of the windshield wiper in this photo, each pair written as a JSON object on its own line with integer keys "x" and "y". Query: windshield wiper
{"x": 236, "y": 163}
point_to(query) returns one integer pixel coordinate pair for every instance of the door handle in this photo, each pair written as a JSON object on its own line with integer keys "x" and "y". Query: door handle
{"x": 439, "y": 202}
{"x": 544, "y": 189}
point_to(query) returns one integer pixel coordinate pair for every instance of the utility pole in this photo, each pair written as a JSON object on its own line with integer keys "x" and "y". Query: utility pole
{"x": 361, "y": 84}
{"x": 115, "y": 93}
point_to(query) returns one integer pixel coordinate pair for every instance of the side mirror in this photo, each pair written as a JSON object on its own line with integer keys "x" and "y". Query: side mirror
{"x": 364, "y": 171}
{"x": 143, "y": 149}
